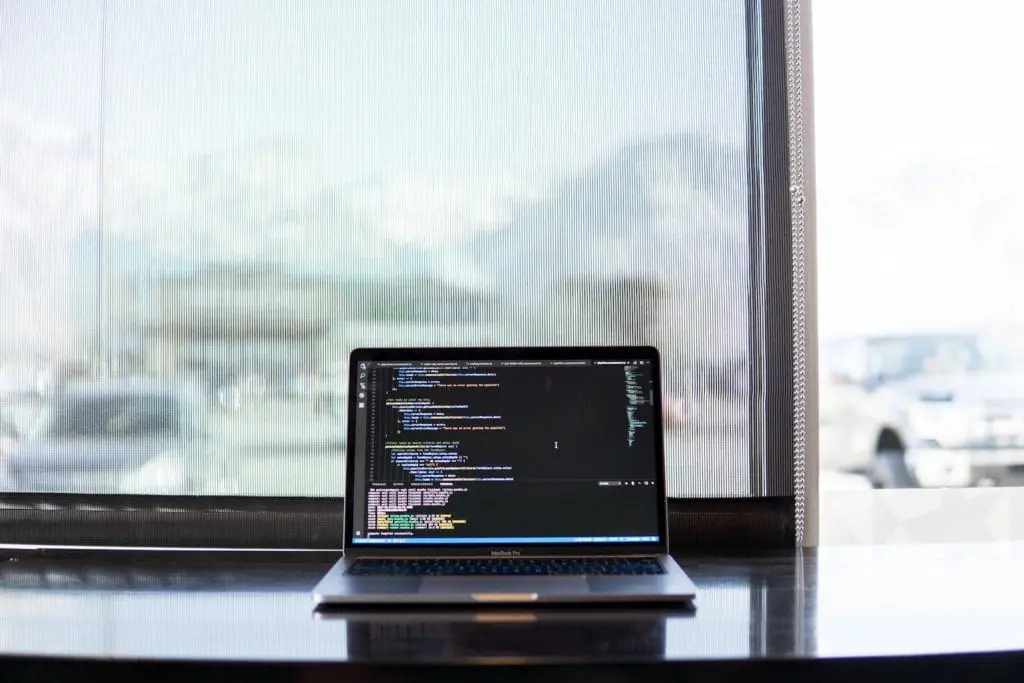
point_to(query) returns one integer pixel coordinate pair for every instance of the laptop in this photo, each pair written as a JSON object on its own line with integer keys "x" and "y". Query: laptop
{"x": 505, "y": 476}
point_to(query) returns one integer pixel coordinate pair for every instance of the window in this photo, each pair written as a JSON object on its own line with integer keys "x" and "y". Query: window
{"x": 917, "y": 149}
{"x": 206, "y": 206}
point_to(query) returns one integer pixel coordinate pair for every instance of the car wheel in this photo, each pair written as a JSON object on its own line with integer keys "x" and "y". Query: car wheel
{"x": 891, "y": 471}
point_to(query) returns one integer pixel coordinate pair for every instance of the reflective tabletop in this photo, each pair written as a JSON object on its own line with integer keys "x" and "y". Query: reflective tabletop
{"x": 256, "y": 607}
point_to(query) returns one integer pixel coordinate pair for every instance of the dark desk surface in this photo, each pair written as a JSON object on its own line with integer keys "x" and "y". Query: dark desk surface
{"x": 831, "y": 603}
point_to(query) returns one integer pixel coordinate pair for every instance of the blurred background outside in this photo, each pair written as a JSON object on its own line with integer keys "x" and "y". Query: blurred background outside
{"x": 921, "y": 243}
{"x": 205, "y": 207}
{"x": 199, "y": 222}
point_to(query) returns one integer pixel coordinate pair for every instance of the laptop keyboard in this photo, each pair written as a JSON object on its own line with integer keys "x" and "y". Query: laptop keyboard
{"x": 524, "y": 566}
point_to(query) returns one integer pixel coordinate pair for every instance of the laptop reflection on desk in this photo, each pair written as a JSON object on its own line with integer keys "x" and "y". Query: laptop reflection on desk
{"x": 557, "y": 633}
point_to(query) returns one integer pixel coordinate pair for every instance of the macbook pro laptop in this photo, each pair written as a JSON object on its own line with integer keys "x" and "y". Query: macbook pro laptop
{"x": 505, "y": 476}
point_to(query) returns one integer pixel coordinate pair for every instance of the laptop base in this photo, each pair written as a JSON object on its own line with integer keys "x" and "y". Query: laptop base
{"x": 338, "y": 587}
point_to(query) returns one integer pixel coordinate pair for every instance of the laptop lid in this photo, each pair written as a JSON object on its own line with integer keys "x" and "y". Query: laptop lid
{"x": 505, "y": 452}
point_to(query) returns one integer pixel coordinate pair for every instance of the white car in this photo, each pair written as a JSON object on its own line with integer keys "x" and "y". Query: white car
{"x": 922, "y": 410}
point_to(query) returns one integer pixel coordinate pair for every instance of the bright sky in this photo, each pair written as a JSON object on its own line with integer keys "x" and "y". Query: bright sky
{"x": 495, "y": 94}
{"x": 918, "y": 146}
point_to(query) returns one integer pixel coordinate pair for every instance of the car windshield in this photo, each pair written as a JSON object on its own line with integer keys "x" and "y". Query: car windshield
{"x": 112, "y": 416}
{"x": 900, "y": 357}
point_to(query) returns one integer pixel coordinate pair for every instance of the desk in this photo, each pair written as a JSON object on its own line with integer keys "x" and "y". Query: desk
{"x": 848, "y": 606}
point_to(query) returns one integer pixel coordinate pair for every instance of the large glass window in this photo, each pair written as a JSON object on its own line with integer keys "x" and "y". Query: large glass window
{"x": 205, "y": 206}
{"x": 918, "y": 144}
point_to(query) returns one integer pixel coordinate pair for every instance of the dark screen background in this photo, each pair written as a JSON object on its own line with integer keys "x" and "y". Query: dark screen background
{"x": 566, "y": 432}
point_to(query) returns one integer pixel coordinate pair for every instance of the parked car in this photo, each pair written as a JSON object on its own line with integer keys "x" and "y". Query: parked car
{"x": 922, "y": 410}
{"x": 119, "y": 437}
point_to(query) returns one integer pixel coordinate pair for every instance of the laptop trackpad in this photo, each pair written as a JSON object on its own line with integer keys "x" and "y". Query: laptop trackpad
{"x": 504, "y": 588}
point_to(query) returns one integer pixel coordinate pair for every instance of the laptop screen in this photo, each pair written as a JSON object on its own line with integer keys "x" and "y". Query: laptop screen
{"x": 506, "y": 452}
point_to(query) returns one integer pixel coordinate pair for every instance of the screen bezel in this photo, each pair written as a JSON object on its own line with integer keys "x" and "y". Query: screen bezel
{"x": 645, "y": 353}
